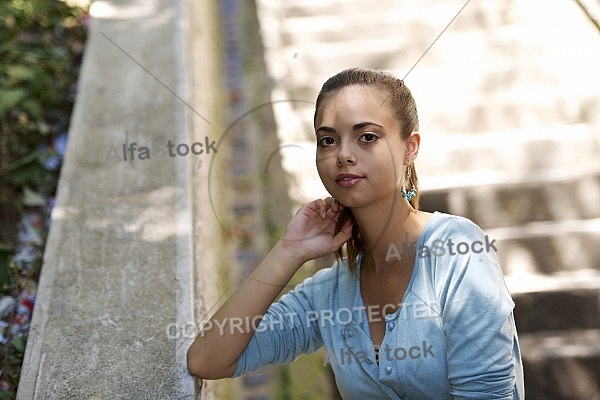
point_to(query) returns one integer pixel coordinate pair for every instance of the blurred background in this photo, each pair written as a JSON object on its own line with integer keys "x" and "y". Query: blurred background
{"x": 508, "y": 94}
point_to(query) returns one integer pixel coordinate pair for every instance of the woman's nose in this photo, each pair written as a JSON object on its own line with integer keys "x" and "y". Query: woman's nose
{"x": 345, "y": 155}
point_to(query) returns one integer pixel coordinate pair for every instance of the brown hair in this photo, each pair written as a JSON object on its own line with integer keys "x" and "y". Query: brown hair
{"x": 402, "y": 104}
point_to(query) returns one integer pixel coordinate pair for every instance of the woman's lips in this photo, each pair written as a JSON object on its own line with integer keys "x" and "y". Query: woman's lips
{"x": 348, "y": 180}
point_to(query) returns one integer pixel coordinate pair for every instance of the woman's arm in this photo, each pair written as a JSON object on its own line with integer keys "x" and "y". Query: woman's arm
{"x": 481, "y": 343}
{"x": 309, "y": 235}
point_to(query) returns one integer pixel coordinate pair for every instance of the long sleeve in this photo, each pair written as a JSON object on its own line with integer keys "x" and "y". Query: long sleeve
{"x": 477, "y": 318}
{"x": 288, "y": 328}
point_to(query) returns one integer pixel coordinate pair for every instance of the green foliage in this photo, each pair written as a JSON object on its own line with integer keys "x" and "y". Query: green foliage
{"x": 40, "y": 47}
{"x": 6, "y": 254}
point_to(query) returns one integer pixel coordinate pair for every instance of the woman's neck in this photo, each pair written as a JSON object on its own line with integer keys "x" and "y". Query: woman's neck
{"x": 388, "y": 228}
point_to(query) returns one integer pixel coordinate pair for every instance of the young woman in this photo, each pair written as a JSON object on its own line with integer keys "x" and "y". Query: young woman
{"x": 416, "y": 309}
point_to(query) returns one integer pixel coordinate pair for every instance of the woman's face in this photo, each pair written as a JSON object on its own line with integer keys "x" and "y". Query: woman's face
{"x": 360, "y": 153}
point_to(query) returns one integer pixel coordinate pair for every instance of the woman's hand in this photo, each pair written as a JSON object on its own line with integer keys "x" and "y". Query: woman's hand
{"x": 215, "y": 353}
{"x": 310, "y": 233}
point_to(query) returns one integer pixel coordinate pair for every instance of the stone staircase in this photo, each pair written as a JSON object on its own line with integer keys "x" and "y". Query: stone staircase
{"x": 542, "y": 203}
{"x": 509, "y": 105}
{"x": 547, "y": 230}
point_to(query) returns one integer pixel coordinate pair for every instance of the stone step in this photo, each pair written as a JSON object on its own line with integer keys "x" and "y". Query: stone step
{"x": 389, "y": 13}
{"x": 508, "y": 152}
{"x": 332, "y": 21}
{"x": 336, "y": 34}
{"x": 561, "y": 365}
{"x": 549, "y": 247}
{"x": 312, "y": 8}
{"x": 547, "y": 302}
{"x": 529, "y": 185}
{"x": 519, "y": 107}
{"x": 495, "y": 201}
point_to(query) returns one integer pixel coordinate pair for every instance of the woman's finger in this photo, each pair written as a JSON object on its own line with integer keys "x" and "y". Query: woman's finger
{"x": 335, "y": 210}
{"x": 343, "y": 235}
{"x": 322, "y": 208}
{"x": 333, "y": 203}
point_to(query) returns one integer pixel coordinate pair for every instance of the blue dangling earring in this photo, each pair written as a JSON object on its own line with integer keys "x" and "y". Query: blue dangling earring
{"x": 413, "y": 192}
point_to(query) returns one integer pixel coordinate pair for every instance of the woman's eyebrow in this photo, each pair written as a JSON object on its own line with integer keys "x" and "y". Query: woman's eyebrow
{"x": 361, "y": 125}
{"x": 355, "y": 127}
{"x": 326, "y": 129}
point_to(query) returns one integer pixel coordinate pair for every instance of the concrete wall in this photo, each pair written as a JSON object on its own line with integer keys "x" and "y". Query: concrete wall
{"x": 130, "y": 247}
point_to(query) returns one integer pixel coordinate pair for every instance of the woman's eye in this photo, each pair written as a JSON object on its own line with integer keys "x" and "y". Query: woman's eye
{"x": 326, "y": 141}
{"x": 368, "y": 137}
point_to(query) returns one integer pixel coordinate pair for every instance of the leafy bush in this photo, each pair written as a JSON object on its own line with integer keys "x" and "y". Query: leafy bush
{"x": 41, "y": 44}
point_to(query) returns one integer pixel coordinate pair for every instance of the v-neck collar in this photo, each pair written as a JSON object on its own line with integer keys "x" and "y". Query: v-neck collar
{"x": 358, "y": 299}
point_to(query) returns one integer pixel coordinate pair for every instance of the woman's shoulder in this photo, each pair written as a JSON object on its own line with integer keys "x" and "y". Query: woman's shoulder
{"x": 454, "y": 238}
{"x": 446, "y": 225}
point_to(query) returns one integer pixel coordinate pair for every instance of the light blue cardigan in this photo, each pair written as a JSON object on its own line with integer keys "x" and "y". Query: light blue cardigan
{"x": 453, "y": 338}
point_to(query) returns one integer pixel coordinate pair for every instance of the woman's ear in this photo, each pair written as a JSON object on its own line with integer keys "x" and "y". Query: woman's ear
{"x": 412, "y": 147}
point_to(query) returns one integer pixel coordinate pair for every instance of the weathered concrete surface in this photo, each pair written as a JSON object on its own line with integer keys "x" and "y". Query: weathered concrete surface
{"x": 206, "y": 95}
{"x": 118, "y": 264}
